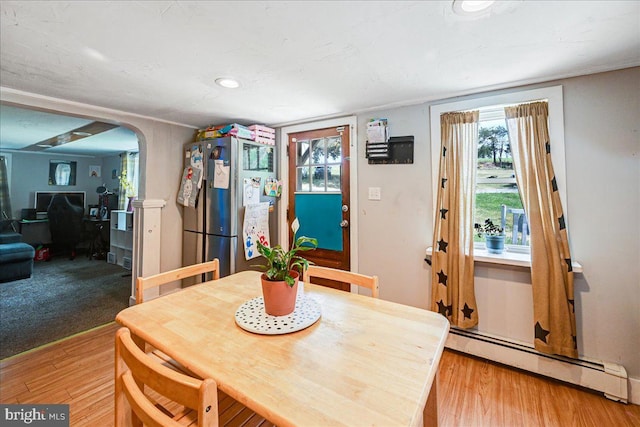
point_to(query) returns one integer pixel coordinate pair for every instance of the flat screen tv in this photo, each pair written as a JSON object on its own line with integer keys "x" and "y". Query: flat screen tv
{"x": 43, "y": 198}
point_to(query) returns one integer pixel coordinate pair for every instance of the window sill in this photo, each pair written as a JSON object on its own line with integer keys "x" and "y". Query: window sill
{"x": 505, "y": 258}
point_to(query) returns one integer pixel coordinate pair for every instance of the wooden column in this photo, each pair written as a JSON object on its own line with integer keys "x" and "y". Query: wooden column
{"x": 147, "y": 233}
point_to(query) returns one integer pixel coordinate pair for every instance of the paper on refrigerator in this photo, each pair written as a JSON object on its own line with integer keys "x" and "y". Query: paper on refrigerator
{"x": 188, "y": 193}
{"x": 220, "y": 175}
{"x": 197, "y": 162}
{"x": 255, "y": 228}
{"x": 251, "y": 191}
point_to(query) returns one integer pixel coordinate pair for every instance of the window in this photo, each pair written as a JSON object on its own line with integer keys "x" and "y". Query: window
{"x": 257, "y": 158}
{"x": 495, "y": 179}
{"x": 318, "y": 165}
{"x": 497, "y": 193}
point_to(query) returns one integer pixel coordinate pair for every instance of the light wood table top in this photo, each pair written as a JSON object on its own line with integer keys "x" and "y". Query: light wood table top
{"x": 365, "y": 362}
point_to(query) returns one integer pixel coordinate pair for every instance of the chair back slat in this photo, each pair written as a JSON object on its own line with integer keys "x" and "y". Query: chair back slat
{"x": 369, "y": 282}
{"x": 144, "y": 283}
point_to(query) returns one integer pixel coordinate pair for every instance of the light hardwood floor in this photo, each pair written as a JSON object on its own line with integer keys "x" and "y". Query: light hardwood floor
{"x": 471, "y": 392}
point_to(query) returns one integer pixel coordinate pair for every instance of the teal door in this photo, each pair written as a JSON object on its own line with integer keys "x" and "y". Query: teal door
{"x": 319, "y": 193}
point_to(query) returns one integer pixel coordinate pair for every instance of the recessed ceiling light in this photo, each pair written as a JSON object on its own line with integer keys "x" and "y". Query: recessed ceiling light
{"x": 228, "y": 82}
{"x": 471, "y": 7}
{"x": 83, "y": 134}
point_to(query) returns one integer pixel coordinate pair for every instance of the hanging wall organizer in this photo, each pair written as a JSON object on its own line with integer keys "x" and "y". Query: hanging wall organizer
{"x": 397, "y": 150}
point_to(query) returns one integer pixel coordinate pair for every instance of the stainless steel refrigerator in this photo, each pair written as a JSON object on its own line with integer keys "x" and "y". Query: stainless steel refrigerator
{"x": 213, "y": 229}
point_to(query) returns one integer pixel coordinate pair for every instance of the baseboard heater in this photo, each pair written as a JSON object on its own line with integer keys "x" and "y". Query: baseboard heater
{"x": 609, "y": 378}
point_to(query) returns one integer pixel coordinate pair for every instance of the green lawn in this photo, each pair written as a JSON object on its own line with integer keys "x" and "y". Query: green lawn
{"x": 488, "y": 205}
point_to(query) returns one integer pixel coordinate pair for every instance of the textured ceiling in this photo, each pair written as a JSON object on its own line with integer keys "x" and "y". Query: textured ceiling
{"x": 300, "y": 60}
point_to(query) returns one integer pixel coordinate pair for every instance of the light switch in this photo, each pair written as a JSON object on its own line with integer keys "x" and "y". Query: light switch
{"x": 374, "y": 193}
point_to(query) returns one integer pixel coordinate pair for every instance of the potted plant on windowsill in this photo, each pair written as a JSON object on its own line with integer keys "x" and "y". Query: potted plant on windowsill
{"x": 493, "y": 236}
{"x": 280, "y": 279}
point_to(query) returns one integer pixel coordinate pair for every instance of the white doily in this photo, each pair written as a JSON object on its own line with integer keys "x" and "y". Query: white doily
{"x": 251, "y": 317}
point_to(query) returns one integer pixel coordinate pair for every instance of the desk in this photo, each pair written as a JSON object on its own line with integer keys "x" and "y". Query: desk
{"x": 95, "y": 233}
{"x": 365, "y": 362}
{"x": 35, "y": 231}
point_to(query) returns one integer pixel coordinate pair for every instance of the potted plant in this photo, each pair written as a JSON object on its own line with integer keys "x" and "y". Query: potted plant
{"x": 493, "y": 236}
{"x": 280, "y": 279}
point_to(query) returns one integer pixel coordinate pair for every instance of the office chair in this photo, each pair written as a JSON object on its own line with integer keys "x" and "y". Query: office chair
{"x": 65, "y": 224}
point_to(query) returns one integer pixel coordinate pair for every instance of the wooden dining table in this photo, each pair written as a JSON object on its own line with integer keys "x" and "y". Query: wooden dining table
{"x": 364, "y": 362}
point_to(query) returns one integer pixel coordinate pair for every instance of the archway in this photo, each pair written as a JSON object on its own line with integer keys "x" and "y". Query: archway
{"x": 69, "y": 298}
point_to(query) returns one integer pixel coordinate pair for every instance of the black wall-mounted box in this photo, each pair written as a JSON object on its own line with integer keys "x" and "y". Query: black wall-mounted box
{"x": 398, "y": 150}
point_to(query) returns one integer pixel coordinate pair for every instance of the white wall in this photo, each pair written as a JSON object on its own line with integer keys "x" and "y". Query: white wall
{"x": 395, "y": 231}
{"x": 30, "y": 173}
{"x": 602, "y": 119}
{"x": 602, "y": 142}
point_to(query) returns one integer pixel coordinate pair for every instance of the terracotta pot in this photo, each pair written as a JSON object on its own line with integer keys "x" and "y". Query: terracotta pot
{"x": 279, "y": 298}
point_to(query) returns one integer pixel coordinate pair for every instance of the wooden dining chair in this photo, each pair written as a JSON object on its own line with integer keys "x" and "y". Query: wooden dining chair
{"x": 144, "y": 283}
{"x": 232, "y": 413}
{"x": 369, "y": 282}
{"x": 196, "y": 399}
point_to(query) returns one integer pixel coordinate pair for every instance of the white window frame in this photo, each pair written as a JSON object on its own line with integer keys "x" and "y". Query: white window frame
{"x": 553, "y": 95}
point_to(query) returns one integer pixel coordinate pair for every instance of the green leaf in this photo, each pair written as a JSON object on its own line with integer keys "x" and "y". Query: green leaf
{"x": 279, "y": 262}
{"x": 290, "y": 281}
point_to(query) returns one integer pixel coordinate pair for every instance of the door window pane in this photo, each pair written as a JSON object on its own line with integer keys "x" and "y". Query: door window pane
{"x": 317, "y": 179}
{"x": 318, "y": 156}
{"x": 334, "y": 150}
{"x": 303, "y": 180}
{"x": 302, "y": 153}
{"x": 333, "y": 178}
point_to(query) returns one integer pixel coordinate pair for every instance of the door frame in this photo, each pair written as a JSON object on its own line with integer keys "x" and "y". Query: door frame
{"x": 283, "y": 169}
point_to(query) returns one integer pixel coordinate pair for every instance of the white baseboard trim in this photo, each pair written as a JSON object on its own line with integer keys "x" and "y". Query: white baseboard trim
{"x": 634, "y": 391}
{"x": 608, "y": 378}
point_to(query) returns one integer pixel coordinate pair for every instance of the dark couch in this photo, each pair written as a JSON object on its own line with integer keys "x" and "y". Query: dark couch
{"x": 16, "y": 257}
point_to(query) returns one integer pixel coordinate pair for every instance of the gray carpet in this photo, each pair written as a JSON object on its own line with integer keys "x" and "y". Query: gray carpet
{"x": 62, "y": 298}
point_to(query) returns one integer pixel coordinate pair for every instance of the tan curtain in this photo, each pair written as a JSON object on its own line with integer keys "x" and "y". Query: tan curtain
{"x": 452, "y": 288}
{"x": 122, "y": 191}
{"x": 5, "y": 194}
{"x": 551, "y": 272}
{"x": 132, "y": 172}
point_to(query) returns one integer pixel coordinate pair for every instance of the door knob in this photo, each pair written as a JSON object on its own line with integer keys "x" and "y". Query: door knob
{"x": 344, "y": 223}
